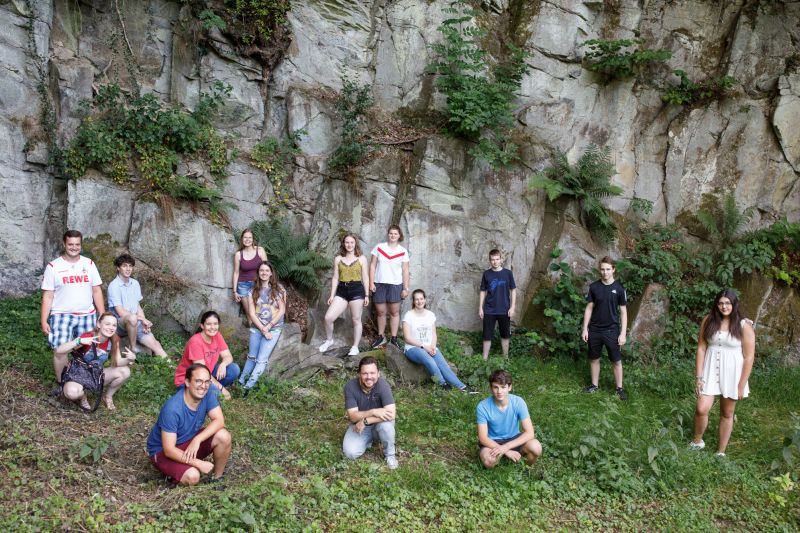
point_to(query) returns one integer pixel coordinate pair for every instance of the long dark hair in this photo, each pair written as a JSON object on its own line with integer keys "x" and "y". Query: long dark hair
{"x": 713, "y": 320}
{"x": 205, "y": 316}
{"x": 276, "y": 290}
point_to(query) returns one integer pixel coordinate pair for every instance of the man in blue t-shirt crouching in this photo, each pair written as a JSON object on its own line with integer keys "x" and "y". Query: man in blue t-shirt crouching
{"x": 178, "y": 443}
{"x": 499, "y": 419}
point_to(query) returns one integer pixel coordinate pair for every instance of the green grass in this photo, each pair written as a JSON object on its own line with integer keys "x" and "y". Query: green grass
{"x": 288, "y": 474}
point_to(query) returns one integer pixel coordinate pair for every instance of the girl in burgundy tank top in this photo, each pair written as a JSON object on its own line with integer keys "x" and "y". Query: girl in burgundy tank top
{"x": 246, "y": 261}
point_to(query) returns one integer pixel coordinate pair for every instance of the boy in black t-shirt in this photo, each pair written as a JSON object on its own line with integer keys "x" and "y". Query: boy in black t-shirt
{"x": 497, "y": 301}
{"x": 604, "y": 325}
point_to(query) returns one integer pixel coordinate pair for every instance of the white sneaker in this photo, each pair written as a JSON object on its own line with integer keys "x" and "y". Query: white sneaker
{"x": 391, "y": 462}
{"x": 325, "y": 346}
{"x": 720, "y": 454}
{"x": 697, "y": 445}
{"x": 353, "y": 350}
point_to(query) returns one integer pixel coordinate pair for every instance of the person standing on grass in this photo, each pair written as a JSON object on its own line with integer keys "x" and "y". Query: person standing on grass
{"x": 72, "y": 298}
{"x": 246, "y": 261}
{"x": 178, "y": 443}
{"x": 124, "y": 297}
{"x": 605, "y": 323}
{"x": 266, "y": 313}
{"x": 498, "y": 298}
{"x": 389, "y": 280}
{"x": 419, "y": 336}
{"x": 370, "y": 409}
{"x": 499, "y": 419}
{"x": 207, "y": 346}
{"x": 725, "y": 353}
{"x": 349, "y": 289}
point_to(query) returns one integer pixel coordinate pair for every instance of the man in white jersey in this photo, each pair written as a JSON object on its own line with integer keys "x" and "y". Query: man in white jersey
{"x": 71, "y": 297}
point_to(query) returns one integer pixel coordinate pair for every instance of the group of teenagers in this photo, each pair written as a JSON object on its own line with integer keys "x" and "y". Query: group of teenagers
{"x": 74, "y": 318}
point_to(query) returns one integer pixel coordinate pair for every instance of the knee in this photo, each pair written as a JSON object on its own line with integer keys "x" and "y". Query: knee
{"x": 130, "y": 319}
{"x": 702, "y": 410}
{"x": 73, "y": 391}
{"x": 223, "y": 438}
{"x": 534, "y": 448}
{"x": 191, "y": 477}
{"x": 124, "y": 373}
{"x": 352, "y": 454}
{"x": 487, "y": 460}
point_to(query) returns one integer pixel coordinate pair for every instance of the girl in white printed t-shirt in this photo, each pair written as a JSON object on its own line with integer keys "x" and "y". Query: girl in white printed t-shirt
{"x": 389, "y": 279}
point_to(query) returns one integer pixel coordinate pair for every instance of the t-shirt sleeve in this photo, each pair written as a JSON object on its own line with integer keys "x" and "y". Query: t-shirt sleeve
{"x": 169, "y": 419}
{"x": 622, "y": 296}
{"x": 374, "y": 251}
{"x": 589, "y": 295}
{"x": 511, "y": 283}
{"x": 220, "y": 342}
{"x": 480, "y": 414}
{"x": 406, "y": 258}
{"x": 407, "y": 318}
{"x": 114, "y": 295}
{"x": 194, "y": 348}
{"x": 213, "y": 399}
{"x": 521, "y": 409}
{"x": 484, "y": 285}
{"x": 385, "y": 393}
{"x": 349, "y": 398}
{"x": 49, "y": 278}
{"x": 95, "y": 275}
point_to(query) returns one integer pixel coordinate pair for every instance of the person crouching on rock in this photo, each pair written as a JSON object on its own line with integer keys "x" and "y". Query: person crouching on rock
{"x": 207, "y": 346}
{"x": 266, "y": 313}
{"x": 178, "y": 443}
{"x": 94, "y": 348}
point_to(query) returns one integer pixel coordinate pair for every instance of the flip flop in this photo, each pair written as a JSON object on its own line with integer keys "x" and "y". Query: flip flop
{"x": 84, "y": 404}
{"x": 109, "y": 403}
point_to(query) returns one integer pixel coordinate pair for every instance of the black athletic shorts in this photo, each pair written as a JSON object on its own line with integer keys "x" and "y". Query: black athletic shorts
{"x": 608, "y": 338}
{"x": 350, "y": 290}
{"x": 504, "y": 321}
{"x": 503, "y": 441}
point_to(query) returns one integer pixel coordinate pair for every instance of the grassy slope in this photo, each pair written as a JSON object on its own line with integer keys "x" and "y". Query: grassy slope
{"x": 288, "y": 474}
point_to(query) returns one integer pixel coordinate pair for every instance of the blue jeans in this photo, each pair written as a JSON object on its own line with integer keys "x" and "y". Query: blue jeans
{"x": 355, "y": 444}
{"x": 244, "y": 288}
{"x": 258, "y": 355}
{"x": 231, "y": 373}
{"x": 436, "y": 366}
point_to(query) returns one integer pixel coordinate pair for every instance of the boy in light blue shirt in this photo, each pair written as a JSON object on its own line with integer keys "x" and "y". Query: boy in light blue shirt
{"x": 499, "y": 418}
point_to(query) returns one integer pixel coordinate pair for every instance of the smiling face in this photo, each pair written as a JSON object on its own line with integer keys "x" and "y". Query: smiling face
{"x": 72, "y": 247}
{"x": 419, "y": 300}
{"x": 198, "y": 384}
{"x": 368, "y": 376}
{"x": 210, "y": 327}
{"x": 107, "y": 326}
{"x": 247, "y": 239}
{"x": 500, "y": 392}
{"x": 125, "y": 270}
{"x": 394, "y": 236}
{"x": 264, "y": 272}
{"x": 349, "y": 244}
{"x": 606, "y": 272}
{"x": 725, "y": 306}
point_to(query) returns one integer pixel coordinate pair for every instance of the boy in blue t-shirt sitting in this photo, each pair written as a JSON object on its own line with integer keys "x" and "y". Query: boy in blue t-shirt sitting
{"x": 499, "y": 418}
{"x": 497, "y": 301}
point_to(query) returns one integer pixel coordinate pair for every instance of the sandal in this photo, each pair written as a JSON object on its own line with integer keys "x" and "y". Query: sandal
{"x": 109, "y": 403}
{"x": 84, "y": 403}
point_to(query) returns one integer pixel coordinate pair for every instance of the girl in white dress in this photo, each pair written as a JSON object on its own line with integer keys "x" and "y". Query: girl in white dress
{"x": 725, "y": 353}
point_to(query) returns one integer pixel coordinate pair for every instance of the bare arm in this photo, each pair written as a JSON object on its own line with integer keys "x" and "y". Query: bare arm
{"x": 97, "y": 296}
{"x": 235, "y": 279}
{"x": 749, "y": 354}
{"x": 365, "y": 278}
{"x": 700, "y": 357}
{"x": 481, "y": 300}
{"x": 47, "y": 304}
{"x": 623, "y": 325}
{"x": 513, "y": 302}
{"x": 483, "y": 437}
{"x": 373, "y": 265}
{"x": 70, "y": 345}
{"x": 217, "y": 423}
{"x": 262, "y": 253}
{"x": 372, "y": 416}
{"x": 406, "y": 280}
{"x": 116, "y": 354}
{"x": 587, "y": 316}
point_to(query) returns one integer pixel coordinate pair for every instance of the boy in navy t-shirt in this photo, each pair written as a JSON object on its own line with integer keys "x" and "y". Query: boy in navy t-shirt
{"x": 605, "y": 322}
{"x": 497, "y": 301}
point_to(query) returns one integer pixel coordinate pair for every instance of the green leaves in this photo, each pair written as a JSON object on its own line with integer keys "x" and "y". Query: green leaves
{"x": 621, "y": 58}
{"x": 275, "y": 157}
{"x": 92, "y": 448}
{"x": 351, "y": 108}
{"x": 688, "y": 92}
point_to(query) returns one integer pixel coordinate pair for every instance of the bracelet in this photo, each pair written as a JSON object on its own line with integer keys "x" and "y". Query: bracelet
{"x": 365, "y": 421}
{"x": 77, "y": 341}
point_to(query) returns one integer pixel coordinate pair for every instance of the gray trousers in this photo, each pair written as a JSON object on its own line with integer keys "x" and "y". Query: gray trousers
{"x": 355, "y": 444}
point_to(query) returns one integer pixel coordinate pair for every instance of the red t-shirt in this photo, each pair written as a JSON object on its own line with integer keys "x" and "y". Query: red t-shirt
{"x": 199, "y": 351}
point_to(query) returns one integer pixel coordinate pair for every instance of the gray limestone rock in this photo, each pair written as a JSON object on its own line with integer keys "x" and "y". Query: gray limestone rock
{"x": 399, "y": 364}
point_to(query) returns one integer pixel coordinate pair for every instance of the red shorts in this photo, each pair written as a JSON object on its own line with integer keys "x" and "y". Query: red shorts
{"x": 175, "y": 470}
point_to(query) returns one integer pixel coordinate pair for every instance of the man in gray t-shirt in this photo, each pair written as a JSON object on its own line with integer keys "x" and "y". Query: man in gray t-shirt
{"x": 369, "y": 406}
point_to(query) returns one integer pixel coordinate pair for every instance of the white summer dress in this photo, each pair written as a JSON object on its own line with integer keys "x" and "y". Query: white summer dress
{"x": 722, "y": 367}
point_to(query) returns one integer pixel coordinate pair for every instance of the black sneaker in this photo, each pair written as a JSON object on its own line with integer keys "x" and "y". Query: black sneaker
{"x": 621, "y": 394}
{"x": 446, "y": 386}
{"x": 396, "y": 343}
{"x": 591, "y": 389}
{"x": 467, "y": 390}
{"x": 377, "y": 343}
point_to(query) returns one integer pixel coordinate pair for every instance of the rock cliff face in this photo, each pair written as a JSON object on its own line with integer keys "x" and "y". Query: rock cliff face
{"x": 452, "y": 208}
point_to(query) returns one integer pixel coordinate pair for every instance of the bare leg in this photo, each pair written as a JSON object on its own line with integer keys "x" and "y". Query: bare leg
{"x": 74, "y": 392}
{"x": 504, "y": 346}
{"x": 115, "y": 376}
{"x": 337, "y": 307}
{"x": 380, "y": 310}
{"x": 704, "y": 404}
{"x": 532, "y": 450}
{"x": 487, "y": 460}
{"x": 617, "y": 372}
{"x": 221, "y": 446}
{"x": 190, "y": 477}
{"x": 394, "y": 318}
{"x": 726, "y": 409}
{"x": 59, "y": 363}
{"x": 594, "y": 371}
{"x": 487, "y": 345}
{"x": 131, "y": 323}
{"x": 151, "y": 343}
{"x": 356, "y": 308}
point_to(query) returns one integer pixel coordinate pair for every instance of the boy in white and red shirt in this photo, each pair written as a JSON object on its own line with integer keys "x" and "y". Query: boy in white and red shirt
{"x": 71, "y": 297}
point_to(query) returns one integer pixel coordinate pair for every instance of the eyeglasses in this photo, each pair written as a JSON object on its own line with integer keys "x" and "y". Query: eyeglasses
{"x": 202, "y": 382}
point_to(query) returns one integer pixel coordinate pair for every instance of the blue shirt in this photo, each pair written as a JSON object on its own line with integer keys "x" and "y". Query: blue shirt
{"x": 176, "y": 417}
{"x": 502, "y": 424}
{"x": 497, "y": 286}
{"x": 127, "y": 295}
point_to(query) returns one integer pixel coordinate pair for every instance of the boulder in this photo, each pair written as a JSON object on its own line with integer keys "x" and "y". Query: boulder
{"x": 294, "y": 359}
{"x": 786, "y": 118}
{"x": 647, "y": 315}
{"x": 408, "y": 372}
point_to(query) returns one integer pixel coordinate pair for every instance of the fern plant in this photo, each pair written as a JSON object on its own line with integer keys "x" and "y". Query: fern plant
{"x": 294, "y": 261}
{"x": 723, "y": 222}
{"x": 588, "y": 181}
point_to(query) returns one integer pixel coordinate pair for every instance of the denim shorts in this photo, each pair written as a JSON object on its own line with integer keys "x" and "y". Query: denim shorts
{"x": 140, "y": 334}
{"x": 244, "y": 288}
{"x": 350, "y": 290}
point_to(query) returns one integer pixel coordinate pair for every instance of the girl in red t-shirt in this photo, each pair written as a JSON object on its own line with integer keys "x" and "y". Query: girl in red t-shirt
{"x": 208, "y": 347}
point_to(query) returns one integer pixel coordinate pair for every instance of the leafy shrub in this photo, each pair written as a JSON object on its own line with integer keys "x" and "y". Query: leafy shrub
{"x": 722, "y": 220}
{"x": 290, "y": 253}
{"x": 688, "y": 92}
{"x": 621, "y": 58}
{"x": 587, "y": 181}
{"x": 133, "y": 139}
{"x": 275, "y": 156}
{"x": 351, "y": 108}
{"x": 479, "y": 95}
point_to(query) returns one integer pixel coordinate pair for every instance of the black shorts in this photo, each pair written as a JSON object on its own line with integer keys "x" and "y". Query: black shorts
{"x": 350, "y": 290}
{"x": 504, "y": 321}
{"x": 608, "y": 338}
{"x": 386, "y": 293}
{"x": 503, "y": 441}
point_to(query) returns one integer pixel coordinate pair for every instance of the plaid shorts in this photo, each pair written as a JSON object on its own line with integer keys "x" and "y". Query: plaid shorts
{"x": 67, "y": 327}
